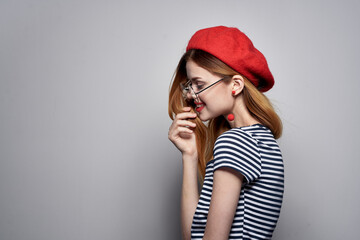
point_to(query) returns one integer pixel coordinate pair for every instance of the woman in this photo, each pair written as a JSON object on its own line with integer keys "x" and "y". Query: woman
{"x": 219, "y": 81}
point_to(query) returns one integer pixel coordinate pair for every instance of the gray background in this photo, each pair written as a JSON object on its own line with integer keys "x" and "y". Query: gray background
{"x": 84, "y": 152}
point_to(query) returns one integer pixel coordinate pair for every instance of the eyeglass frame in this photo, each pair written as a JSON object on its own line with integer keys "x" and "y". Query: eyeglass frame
{"x": 188, "y": 84}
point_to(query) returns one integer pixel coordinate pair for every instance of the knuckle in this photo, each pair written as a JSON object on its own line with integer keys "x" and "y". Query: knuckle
{"x": 170, "y": 136}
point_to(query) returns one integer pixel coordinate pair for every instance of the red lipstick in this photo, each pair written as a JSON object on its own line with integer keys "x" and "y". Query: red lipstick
{"x": 199, "y": 105}
{"x": 198, "y": 109}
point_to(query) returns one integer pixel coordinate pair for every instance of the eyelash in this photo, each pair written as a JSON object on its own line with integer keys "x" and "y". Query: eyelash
{"x": 198, "y": 85}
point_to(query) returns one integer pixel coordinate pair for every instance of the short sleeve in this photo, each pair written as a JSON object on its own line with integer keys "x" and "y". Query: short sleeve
{"x": 238, "y": 150}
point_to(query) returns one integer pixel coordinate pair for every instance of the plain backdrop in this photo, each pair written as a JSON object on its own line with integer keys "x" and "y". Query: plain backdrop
{"x": 84, "y": 153}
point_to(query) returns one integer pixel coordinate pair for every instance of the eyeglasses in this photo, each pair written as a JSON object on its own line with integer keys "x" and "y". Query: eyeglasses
{"x": 187, "y": 88}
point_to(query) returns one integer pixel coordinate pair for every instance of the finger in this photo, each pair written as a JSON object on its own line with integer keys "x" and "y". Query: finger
{"x": 185, "y": 123}
{"x": 176, "y": 132}
{"x": 184, "y": 130}
{"x": 185, "y": 115}
{"x": 186, "y": 109}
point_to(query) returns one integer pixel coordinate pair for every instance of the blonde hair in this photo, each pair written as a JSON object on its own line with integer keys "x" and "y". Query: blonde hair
{"x": 256, "y": 102}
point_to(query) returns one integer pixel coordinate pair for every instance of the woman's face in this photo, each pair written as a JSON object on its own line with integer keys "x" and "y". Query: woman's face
{"x": 214, "y": 101}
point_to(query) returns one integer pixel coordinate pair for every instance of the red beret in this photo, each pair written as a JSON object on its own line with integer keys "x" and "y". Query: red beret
{"x": 234, "y": 48}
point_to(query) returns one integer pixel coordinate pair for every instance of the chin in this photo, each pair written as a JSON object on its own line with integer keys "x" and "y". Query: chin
{"x": 206, "y": 115}
{"x": 204, "y": 119}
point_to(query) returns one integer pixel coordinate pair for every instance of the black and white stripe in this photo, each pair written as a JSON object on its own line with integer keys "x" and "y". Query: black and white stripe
{"x": 253, "y": 152}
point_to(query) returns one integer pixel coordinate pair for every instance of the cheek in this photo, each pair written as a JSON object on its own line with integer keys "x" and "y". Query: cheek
{"x": 217, "y": 94}
{"x": 218, "y": 101}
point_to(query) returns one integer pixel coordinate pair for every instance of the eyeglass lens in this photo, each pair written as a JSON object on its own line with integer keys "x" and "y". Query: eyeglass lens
{"x": 188, "y": 91}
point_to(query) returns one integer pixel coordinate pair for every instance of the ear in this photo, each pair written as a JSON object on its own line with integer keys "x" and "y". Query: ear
{"x": 237, "y": 82}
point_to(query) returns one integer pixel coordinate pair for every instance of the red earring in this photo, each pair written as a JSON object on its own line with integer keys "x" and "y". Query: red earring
{"x": 233, "y": 92}
{"x": 231, "y": 117}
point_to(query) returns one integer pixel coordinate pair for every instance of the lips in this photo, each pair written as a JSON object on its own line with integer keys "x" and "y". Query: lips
{"x": 199, "y": 106}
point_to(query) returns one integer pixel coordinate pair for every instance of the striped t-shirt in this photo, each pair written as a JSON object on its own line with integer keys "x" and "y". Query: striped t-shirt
{"x": 252, "y": 151}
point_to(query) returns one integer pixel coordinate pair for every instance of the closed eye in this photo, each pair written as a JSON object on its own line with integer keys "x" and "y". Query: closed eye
{"x": 198, "y": 84}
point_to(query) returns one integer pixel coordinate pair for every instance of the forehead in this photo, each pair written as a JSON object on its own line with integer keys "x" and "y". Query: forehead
{"x": 194, "y": 71}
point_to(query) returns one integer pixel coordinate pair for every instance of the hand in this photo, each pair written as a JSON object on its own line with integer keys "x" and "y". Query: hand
{"x": 181, "y": 133}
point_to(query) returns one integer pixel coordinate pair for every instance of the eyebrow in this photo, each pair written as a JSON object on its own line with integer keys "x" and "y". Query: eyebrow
{"x": 193, "y": 79}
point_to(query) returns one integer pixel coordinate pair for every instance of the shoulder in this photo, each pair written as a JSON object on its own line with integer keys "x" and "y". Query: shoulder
{"x": 236, "y": 137}
{"x": 237, "y": 149}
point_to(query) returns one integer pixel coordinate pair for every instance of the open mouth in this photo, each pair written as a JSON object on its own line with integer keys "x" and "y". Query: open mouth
{"x": 199, "y": 106}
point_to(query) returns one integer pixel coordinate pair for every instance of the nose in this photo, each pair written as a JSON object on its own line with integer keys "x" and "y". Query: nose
{"x": 189, "y": 95}
{"x": 195, "y": 97}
